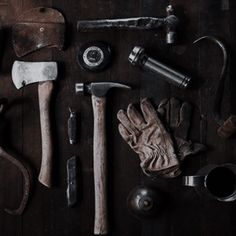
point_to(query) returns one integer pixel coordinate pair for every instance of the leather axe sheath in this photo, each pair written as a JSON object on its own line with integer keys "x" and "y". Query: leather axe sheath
{"x": 38, "y": 28}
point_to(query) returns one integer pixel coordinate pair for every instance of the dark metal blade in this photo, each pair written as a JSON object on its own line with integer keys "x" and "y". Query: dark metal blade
{"x": 71, "y": 181}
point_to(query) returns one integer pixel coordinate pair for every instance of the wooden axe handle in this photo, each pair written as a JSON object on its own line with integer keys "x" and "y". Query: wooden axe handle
{"x": 44, "y": 94}
{"x": 100, "y": 166}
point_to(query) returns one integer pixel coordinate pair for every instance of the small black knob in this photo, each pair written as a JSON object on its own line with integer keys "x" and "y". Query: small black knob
{"x": 144, "y": 202}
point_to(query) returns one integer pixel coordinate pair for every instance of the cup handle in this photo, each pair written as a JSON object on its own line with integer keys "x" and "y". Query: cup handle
{"x": 194, "y": 181}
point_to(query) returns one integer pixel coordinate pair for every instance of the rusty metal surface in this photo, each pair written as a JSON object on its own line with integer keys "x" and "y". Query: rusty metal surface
{"x": 170, "y": 23}
{"x": 26, "y": 186}
{"x": 38, "y": 28}
{"x": 17, "y": 163}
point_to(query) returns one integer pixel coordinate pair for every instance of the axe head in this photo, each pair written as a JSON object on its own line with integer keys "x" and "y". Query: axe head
{"x": 24, "y": 73}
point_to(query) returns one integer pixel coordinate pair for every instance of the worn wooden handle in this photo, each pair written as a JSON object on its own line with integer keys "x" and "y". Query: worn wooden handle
{"x": 100, "y": 166}
{"x": 45, "y": 92}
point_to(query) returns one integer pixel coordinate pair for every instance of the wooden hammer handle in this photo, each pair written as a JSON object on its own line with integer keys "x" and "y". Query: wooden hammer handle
{"x": 100, "y": 166}
{"x": 44, "y": 94}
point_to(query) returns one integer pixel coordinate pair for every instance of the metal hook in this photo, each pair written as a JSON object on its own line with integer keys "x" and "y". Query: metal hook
{"x": 227, "y": 126}
{"x": 20, "y": 166}
{"x": 27, "y": 182}
{"x": 220, "y": 88}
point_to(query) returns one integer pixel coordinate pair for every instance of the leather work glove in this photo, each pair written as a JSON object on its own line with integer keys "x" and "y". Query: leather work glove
{"x": 147, "y": 136}
{"x": 159, "y": 152}
{"x": 177, "y": 116}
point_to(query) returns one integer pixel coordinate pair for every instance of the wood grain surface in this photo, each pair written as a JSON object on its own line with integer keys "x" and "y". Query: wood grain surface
{"x": 100, "y": 165}
{"x": 184, "y": 211}
{"x": 45, "y": 90}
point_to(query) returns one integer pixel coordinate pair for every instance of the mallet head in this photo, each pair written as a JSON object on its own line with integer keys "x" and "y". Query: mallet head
{"x": 98, "y": 89}
{"x": 24, "y": 73}
{"x": 172, "y": 23}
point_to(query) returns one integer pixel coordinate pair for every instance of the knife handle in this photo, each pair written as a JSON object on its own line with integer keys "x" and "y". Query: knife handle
{"x": 72, "y": 127}
{"x": 71, "y": 191}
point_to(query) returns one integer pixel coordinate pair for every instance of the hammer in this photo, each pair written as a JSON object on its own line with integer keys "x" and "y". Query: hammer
{"x": 98, "y": 92}
{"x": 170, "y": 23}
{"x": 24, "y": 73}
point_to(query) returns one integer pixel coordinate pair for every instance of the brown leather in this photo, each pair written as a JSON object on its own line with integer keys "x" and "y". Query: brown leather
{"x": 159, "y": 150}
{"x": 147, "y": 136}
{"x": 177, "y": 115}
{"x": 38, "y": 28}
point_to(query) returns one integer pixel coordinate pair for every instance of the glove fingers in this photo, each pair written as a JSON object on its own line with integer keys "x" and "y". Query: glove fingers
{"x": 124, "y": 120}
{"x": 186, "y": 149}
{"x": 185, "y": 120}
{"x": 124, "y": 133}
{"x": 135, "y": 117}
{"x": 171, "y": 172}
{"x": 174, "y": 112}
{"x": 163, "y": 109}
{"x": 198, "y": 147}
{"x": 149, "y": 113}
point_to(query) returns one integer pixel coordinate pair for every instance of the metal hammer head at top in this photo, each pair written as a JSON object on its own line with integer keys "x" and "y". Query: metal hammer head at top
{"x": 170, "y": 23}
{"x": 98, "y": 89}
{"x": 24, "y": 73}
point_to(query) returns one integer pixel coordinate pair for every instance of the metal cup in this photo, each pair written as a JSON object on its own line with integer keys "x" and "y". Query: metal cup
{"x": 217, "y": 181}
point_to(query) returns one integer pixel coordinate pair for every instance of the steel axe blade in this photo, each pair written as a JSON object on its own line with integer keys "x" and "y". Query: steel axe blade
{"x": 24, "y": 73}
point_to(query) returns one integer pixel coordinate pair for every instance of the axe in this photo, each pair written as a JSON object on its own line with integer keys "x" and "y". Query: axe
{"x": 24, "y": 73}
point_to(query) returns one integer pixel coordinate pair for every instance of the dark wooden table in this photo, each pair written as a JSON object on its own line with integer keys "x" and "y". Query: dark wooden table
{"x": 184, "y": 213}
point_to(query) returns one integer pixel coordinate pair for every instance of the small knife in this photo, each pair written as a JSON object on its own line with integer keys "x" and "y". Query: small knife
{"x": 72, "y": 127}
{"x": 71, "y": 191}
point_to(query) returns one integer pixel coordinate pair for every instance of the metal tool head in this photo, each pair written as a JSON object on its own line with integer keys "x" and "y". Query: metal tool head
{"x": 98, "y": 89}
{"x": 38, "y": 28}
{"x": 136, "y": 56}
{"x": 24, "y": 73}
{"x": 172, "y": 24}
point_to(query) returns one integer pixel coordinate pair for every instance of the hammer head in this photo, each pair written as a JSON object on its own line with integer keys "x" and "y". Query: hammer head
{"x": 97, "y": 89}
{"x": 24, "y": 73}
{"x": 172, "y": 23}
